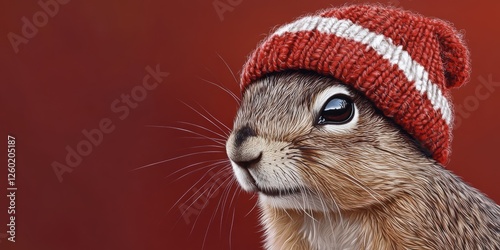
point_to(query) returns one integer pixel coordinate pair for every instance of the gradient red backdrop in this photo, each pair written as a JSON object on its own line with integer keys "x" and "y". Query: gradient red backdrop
{"x": 65, "y": 77}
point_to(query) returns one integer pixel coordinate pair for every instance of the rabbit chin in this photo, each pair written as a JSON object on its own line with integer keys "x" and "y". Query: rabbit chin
{"x": 298, "y": 201}
{"x": 280, "y": 195}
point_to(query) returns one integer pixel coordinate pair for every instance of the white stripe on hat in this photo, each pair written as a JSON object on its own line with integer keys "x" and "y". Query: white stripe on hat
{"x": 384, "y": 46}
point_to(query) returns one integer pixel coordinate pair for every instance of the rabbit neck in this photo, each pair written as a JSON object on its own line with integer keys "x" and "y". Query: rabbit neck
{"x": 293, "y": 229}
{"x": 434, "y": 212}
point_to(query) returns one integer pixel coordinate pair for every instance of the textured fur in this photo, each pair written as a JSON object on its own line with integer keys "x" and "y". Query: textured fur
{"x": 367, "y": 186}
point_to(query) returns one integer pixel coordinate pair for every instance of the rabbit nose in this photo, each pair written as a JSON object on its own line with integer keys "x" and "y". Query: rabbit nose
{"x": 244, "y": 150}
{"x": 243, "y": 134}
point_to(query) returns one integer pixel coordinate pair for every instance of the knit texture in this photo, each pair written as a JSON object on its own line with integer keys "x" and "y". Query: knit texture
{"x": 403, "y": 62}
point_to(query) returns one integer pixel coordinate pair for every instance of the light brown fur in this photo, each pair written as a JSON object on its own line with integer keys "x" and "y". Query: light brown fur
{"x": 376, "y": 187}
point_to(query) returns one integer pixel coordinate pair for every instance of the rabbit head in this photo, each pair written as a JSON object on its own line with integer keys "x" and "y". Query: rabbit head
{"x": 305, "y": 141}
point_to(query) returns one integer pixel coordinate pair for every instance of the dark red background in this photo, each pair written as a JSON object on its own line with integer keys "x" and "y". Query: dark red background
{"x": 65, "y": 78}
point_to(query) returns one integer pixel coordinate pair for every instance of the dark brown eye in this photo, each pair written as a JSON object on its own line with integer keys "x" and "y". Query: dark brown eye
{"x": 339, "y": 109}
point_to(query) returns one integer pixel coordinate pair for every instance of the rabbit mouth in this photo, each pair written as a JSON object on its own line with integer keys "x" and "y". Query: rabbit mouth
{"x": 271, "y": 191}
{"x": 278, "y": 192}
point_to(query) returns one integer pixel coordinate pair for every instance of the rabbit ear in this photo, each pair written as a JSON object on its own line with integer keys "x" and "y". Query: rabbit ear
{"x": 454, "y": 55}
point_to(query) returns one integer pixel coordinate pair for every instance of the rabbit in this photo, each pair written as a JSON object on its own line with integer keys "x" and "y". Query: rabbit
{"x": 332, "y": 172}
{"x": 344, "y": 131}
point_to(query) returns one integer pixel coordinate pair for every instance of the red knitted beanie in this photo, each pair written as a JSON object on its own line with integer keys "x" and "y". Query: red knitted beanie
{"x": 403, "y": 62}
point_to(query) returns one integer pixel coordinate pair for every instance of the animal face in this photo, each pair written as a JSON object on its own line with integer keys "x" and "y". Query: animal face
{"x": 304, "y": 141}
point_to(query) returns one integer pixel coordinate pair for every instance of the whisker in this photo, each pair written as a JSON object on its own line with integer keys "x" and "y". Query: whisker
{"x": 249, "y": 212}
{"x": 232, "y": 199}
{"x": 338, "y": 210}
{"x": 231, "y": 230}
{"x": 323, "y": 204}
{"x": 213, "y": 216}
{"x": 225, "y": 183}
{"x": 224, "y": 203}
{"x": 206, "y": 118}
{"x": 208, "y": 146}
{"x": 195, "y": 198}
{"x": 229, "y": 68}
{"x": 188, "y": 131}
{"x": 221, "y": 141}
{"x": 225, "y": 195}
{"x": 236, "y": 98}
{"x": 185, "y": 193}
{"x": 219, "y": 171}
{"x": 204, "y": 128}
{"x": 173, "y": 159}
{"x": 216, "y": 163}
{"x": 191, "y": 165}
{"x": 218, "y": 121}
